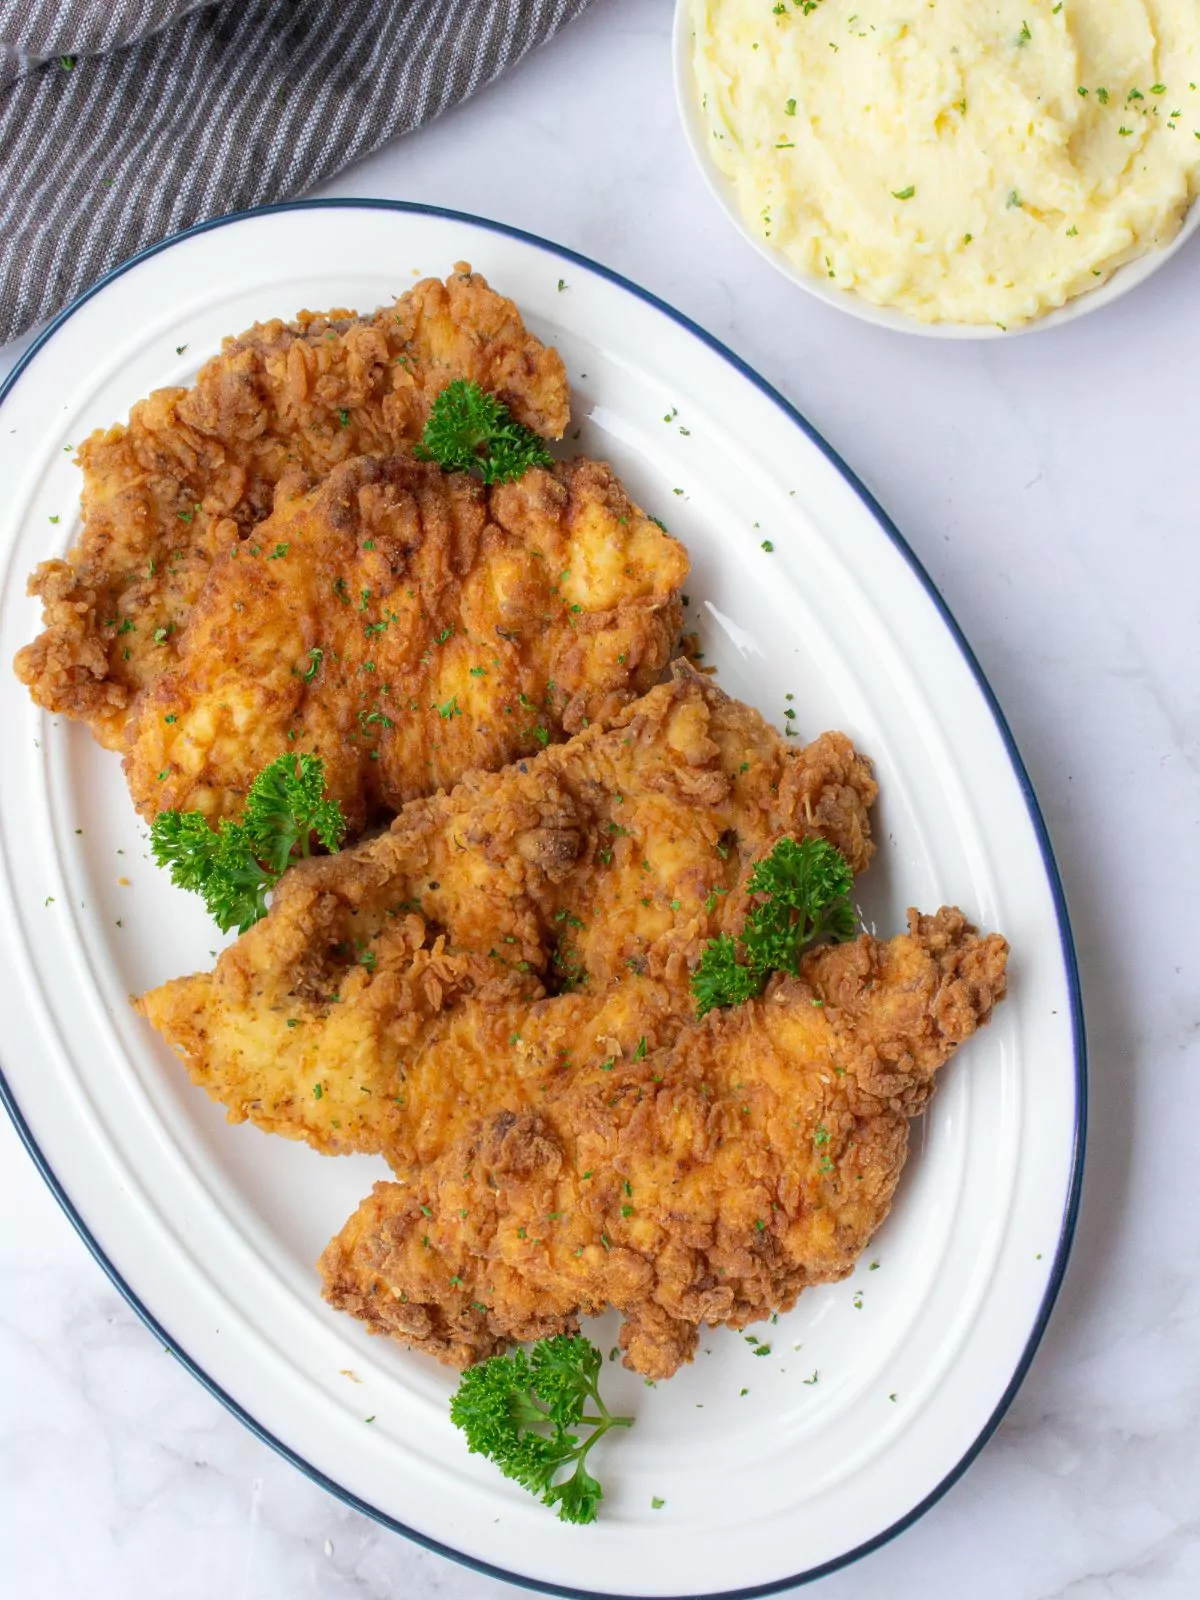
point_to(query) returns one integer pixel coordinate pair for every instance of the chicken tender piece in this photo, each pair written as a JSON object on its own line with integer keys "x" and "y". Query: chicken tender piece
{"x": 409, "y": 625}
{"x": 398, "y": 990}
{"x": 195, "y": 470}
{"x": 708, "y": 1182}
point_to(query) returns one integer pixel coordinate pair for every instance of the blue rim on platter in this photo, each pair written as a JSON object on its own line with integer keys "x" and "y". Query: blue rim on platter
{"x": 1071, "y": 1213}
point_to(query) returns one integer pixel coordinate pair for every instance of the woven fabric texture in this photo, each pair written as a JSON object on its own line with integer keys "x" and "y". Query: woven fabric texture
{"x": 122, "y": 121}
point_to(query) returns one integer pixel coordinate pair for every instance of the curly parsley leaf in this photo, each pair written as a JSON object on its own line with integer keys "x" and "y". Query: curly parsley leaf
{"x": 720, "y": 979}
{"x": 234, "y": 866}
{"x": 520, "y": 1411}
{"x": 286, "y": 805}
{"x": 807, "y": 897}
{"x": 184, "y": 843}
{"x": 470, "y": 430}
{"x": 803, "y": 889}
{"x": 236, "y": 891}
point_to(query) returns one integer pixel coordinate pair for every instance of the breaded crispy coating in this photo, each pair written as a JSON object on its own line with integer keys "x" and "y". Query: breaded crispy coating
{"x": 401, "y": 989}
{"x": 408, "y": 625}
{"x": 710, "y": 1181}
{"x": 195, "y": 470}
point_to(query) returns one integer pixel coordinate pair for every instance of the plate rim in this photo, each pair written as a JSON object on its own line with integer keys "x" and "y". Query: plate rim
{"x": 1041, "y": 833}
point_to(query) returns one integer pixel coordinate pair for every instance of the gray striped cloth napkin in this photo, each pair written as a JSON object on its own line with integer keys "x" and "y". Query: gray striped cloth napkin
{"x": 122, "y": 121}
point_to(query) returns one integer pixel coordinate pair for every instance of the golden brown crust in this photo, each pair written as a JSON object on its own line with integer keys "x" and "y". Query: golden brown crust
{"x": 707, "y": 1182}
{"x": 492, "y": 931}
{"x": 196, "y": 469}
{"x": 408, "y": 625}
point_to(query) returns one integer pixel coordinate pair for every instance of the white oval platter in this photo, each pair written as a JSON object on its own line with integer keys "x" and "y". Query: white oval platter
{"x": 879, "y": 1390}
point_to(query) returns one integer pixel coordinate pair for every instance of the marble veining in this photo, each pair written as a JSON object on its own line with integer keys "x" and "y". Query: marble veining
{"x": 1048, "y": 483}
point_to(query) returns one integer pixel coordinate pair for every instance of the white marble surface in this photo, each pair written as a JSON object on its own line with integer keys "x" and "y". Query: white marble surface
{"x": 1049, "y": 485}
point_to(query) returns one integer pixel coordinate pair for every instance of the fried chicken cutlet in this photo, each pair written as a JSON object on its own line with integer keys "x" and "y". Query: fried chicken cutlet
{"x": 408, "y": 625}
{"x": 458, "y": 962}
{"x": 194, "y": 470}
{"x": 710, "y": 1181}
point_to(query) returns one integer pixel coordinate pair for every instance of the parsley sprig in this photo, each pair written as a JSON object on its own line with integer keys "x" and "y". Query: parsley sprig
{"x": 234, "y": 867}
{"x": 519, "y": 1411}
{"x": 470, "y": 430}
{"x": 805, "y": 887}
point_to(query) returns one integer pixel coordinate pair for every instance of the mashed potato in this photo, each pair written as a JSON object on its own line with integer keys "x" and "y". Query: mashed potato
{"x": 960, "y": 160}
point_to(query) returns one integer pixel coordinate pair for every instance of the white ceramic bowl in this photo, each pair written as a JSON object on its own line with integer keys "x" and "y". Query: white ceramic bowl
{"x": 1122, "y": 281}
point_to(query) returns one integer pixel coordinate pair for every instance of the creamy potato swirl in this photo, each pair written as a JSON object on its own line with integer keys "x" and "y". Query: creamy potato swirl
{"x": 960, "y": 160}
